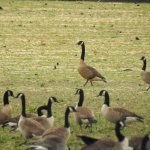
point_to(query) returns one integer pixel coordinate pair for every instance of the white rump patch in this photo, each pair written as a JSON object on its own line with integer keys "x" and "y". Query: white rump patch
{"x": 129, "y": 119}
{"x": 38, "y": 147}
{"x": 11, "y": 124}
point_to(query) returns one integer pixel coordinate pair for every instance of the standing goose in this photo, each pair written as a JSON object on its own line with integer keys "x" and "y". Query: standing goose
{"x": 28, "y": 126}
{"x": 145, "y": 74}
{"x": 49, "y": 121}
{"x": 6, "y": 110}
{"x": 88, "y": 72}
{"x": 117, "y": 114}
{"x": 55, "y": 138}
{"x": 83, "y": 114}
{"x": 107, "y": 143}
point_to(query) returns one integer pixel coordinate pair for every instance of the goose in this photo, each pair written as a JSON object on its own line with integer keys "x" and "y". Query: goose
{"x": 107, "y": 143}
{"x": 49, "y": 121}
{"x": 13, "y": 122}
{"x": 145, "y": 74}
{"x": 51, "y": 143}
{"x": 27, "y": 126}
{"x": 83, "y": 114}
{"x": 88, "y": 72}
{"x": 116, "y": 114}
{"x": 55, "y": 138}
{"x": 41, "y": 118}
{"x": 140, "y": 142}
{"x": 6, "y": 110}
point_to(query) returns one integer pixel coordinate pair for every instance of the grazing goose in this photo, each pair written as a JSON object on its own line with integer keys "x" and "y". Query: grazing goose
{"x": 28, "y": 126}
{"x": 107, "y": 143}
{"x": 49, "y": 121}
{"x": 117, "y": 114}
{"x": 145, "y": 74}
{"x": 83, "y": 114}
{"x": 6, "y": 110}
{"x": 88, "y": 72}
{"x": 55, "y": 138}
{"x": 140, "y": 142}
{"x": 51, "y": 143}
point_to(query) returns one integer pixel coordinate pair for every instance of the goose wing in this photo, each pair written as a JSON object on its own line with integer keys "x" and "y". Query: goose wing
{"x": 95, "y": 73}
{"x": 31, "y": 126}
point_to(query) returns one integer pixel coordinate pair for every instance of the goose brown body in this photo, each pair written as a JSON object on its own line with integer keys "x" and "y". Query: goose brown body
{"x": 27, "y": 126}
{"x": 83, "y": 114}
{"x": 5, "y": 113}
{"x": 47, "y": 122}
{"x": 107, "y": 143}
{"x": 145, "y": 74}
{"x": 30, "y": 128}
{"x": 56, "y": 138}
{"x": 6, "y": 110}
{"x": 50, "y": 143}
{"x": 86, "y": 71}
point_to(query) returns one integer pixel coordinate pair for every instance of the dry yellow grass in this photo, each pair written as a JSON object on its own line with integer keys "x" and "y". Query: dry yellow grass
{"x": 36, "y": 35}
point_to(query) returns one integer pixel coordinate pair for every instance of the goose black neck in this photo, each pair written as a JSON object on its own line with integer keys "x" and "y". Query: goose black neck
{"x": 83, "y": 51}
{"x": 106, "y": 99}
{"x": 49, "y": 109}
{"x": 119, "y": 135}
{"x": 23, "y": 106}
{"x": 81, "y": 98}
{"x": 144, "y": 65}
{"x": 144, "y": 142}
{"x": 39, "y": 110}
{"x": 5, "y": 99}
{"x": 67, "y": 123}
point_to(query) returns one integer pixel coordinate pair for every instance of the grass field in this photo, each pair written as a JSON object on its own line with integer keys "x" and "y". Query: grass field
{"x": 36, "y": 35}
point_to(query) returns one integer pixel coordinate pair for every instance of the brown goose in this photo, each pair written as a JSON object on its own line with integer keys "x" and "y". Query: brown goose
{"x": 107, "y": 143}
{"x": 6, "y": 110}
{"x": 117, "y": 114}
{"x": 47, "y": 122}
{"x": 28, "y": 127}
{"x": 83, "y": 114}
{"x": 55, "y": 138}
{"x": 145, "y": 74}
{"x": 88, "y": 72}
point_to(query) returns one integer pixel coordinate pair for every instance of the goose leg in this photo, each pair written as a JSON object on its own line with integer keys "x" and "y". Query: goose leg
{"x": 148, "y": 88}
{"x": 86, "y": 82}
{"x": 91, "y": 83}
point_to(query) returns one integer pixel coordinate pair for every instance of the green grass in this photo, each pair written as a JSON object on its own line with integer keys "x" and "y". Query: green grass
{"x": 35, "y": 35}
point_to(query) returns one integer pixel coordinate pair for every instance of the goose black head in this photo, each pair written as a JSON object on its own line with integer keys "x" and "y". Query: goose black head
{"x": 20, "y": 95}
{"x": 53, "y": 99}
{"x": 142, "y": 58}
{"x": 120, "y": 124}
{"x": 9, "y": 93}
{"x": 80, "y": 42}
{"x": 72, "y": 109}
{"x": 79, "y": 91}
{"x": 102, "y": 93}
